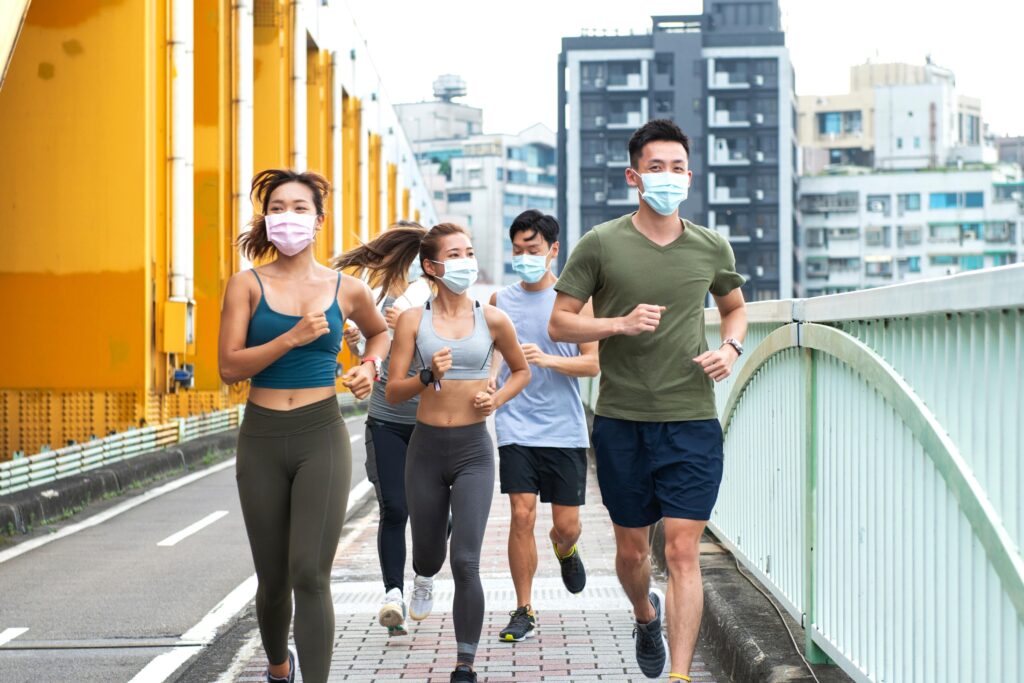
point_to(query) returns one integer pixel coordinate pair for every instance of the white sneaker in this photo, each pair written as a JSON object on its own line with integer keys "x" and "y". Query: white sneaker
{"x": 392, "y": 609}
{"x": 422, "y": 600}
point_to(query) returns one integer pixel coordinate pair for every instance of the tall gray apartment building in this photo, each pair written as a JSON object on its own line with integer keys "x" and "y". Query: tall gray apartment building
{"x": 725, "y": 77}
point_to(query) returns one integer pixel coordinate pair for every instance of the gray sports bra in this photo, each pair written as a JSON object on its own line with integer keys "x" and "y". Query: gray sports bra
{"x": 471, "y": 356}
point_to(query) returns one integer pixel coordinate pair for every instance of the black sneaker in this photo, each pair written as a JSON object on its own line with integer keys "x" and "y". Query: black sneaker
{"x": 650, "y": 642}
{"x": 291, "y": 671}
{"x": 463, "y": 674}
{"x": 574, "y": 576}
{"x": 521, "y": 626}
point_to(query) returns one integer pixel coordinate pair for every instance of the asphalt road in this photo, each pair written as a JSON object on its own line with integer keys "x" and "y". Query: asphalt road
{"x": 104, "y": 602}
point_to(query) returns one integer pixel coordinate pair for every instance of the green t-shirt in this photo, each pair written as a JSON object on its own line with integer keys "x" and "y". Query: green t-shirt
{"x": 652, "y": 377}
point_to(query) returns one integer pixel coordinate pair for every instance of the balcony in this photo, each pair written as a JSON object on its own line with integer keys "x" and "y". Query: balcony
{"x": 723, "y": 118}
{"x": 626, "y": 120}
{"x": 723, "y": 80}
{"x": 724, "y": 195}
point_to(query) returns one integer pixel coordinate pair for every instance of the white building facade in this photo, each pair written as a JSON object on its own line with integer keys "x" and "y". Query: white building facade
{"x": 861, "y": 230}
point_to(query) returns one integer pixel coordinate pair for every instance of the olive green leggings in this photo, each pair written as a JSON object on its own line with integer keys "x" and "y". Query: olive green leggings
{"x": 293, "y": 471}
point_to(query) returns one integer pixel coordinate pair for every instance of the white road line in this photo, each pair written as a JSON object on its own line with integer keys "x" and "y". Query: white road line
{"x": 7, "y": 635}
{"x": 101, "y": 517}
{"x": 355, "y": 437}
{"x": 203, "y": 633}
{"x": 357, "y": 494}
{"x": 192, "y": 528}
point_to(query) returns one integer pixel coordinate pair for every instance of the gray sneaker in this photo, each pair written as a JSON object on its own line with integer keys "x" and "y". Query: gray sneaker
{"x": 422, "y": 600}
{"x": 651, "y": 647}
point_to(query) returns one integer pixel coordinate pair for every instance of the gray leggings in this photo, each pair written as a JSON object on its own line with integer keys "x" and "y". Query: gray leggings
{"x": 452, "y": 467}
{"x": 293, "y": 471}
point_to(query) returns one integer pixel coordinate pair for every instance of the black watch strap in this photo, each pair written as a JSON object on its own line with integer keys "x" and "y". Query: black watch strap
{"x": 426, "y": 376}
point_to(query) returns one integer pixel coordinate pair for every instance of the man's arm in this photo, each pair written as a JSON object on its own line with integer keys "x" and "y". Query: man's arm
{"x": 569, "y": 324}
{"x": 718, "y": 363}
{"x": 583, "y": 365}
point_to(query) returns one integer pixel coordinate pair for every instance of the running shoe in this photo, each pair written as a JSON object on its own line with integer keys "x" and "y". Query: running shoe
{"x": 521, "y": 626}
{"x": 422, "y": 601}
{"x": 463, "y": 674}
{"x": 651, "y": 647}
{"x": 290, "y": 678}
{"x": 392, "y": 611}
{"x": 574, "y": 576}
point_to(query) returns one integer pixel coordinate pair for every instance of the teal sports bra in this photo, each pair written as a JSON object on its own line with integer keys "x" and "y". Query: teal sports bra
{"x": 312, "y": 365}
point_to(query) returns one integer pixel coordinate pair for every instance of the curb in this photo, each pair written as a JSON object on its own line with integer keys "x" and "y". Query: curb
{"x": 23, "y": 510}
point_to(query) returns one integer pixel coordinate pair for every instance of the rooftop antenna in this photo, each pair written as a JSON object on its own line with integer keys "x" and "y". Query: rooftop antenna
{"x": 449, "y": 86}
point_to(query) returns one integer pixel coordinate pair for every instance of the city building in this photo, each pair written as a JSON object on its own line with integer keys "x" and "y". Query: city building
{"x": 866, "y": 229}
{"x": 481, "y": 181}
{"x": 895, "y": 116}
{"x": 725, "y": 77}
{"x": 1010, "y": 149}
{"x": 900, "y": 182}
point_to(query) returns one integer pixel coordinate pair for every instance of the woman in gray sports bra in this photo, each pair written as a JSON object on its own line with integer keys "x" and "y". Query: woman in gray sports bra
{"x": 450, "y": 458}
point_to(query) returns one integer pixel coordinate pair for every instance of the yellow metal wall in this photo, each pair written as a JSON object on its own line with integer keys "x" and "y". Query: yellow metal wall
{"x": 85, "y": 115}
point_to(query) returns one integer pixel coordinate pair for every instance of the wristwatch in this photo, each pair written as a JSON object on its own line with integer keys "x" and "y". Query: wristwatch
{"x": 376, "y": 360}
{"x": 734, "y": 343}
{"x": 426, "y": 376}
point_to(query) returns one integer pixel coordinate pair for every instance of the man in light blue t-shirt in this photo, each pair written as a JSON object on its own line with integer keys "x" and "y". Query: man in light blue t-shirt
{"x": 542, "y": 432}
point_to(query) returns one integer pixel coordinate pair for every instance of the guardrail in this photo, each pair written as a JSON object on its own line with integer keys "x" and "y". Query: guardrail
{"x": 45, "y": 467}
{"x": 874, "y": 449}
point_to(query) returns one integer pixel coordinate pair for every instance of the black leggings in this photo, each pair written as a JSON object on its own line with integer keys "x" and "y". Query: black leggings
{"x": 293, "y": 471}
{"x": 386, "y": 444}
{"x": 452, "y": 467}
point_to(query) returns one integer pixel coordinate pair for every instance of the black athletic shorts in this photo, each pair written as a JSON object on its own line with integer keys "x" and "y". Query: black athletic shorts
{"x": 558, "y": 474}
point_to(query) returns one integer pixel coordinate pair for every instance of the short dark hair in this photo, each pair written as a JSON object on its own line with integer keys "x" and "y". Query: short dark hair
{"x": 533, "y": 221}
{"x": 653, "y": 131}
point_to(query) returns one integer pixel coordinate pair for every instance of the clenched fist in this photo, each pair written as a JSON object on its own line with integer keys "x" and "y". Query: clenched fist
{"x": 644, "y": 318}
{"x": 484, "y": 402}
{"x": 311, "y": 327}
{"x": 441, "y": 363}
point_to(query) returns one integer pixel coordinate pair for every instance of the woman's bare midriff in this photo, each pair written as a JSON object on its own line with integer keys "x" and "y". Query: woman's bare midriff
{"x": 289, "y": 399}
{"x": 453, "y": 405}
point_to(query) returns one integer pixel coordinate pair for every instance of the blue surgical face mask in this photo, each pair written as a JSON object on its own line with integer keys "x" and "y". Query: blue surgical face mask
{"x": 664, "y": 192}
{"x": 459, "y": 274}
{"x": 415, "y": 271}
{"x": 530, "y": 267}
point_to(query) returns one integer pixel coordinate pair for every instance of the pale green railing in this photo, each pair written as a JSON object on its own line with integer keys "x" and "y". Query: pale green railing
{"x": 875, "y": 473}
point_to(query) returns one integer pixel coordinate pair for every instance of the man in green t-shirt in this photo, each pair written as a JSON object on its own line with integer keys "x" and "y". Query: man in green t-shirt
{"x": 656, "y": 433}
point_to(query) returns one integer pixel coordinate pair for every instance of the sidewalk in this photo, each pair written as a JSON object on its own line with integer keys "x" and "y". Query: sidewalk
{"x": 581, "y": 638}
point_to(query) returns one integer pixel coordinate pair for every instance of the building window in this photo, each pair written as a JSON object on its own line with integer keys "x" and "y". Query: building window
{"x": 882, "y": 268}
{"x": 910, "y": 264}
{"x": 814, "y": 237}
{"x": 501, "y": 173}
{"x": 974, "y": 200}
{"x": 830, "y": 123}
{"x": 899, "y": 143}
{"x": 459, "y": 197}
{"x": 843, "y": 234}
{"x": 515, "y": 199}
{"x": 909, "y": 235}
{"x": 945, "y": 260}
{"x": 942, "y": 200}
{"x": 972, "y": 262}
{"x": 438, "y": 194}
{"x": 593, "y": 74}
{"x": 878, "y": 203}
{"x": 877, "y": 236}
{"x": 909, "y": 202}
{"x": 817, "y": 267}
{"x": 917, "y": 142}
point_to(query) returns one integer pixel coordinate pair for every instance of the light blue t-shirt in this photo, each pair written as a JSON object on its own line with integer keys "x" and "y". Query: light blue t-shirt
{"x": 548, "y": 413}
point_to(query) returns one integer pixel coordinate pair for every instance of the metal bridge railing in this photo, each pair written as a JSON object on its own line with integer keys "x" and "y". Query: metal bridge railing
{"x": 875, "y": 471}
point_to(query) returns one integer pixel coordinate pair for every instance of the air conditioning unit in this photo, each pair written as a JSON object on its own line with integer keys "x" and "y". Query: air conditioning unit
{"x": 759, "y": 271}
{"x": 759, "y": 156}
{"x": 599, "y": 120}
{"x": 599, "y": 83}
{"x": 598, "y": 158}
{"x": 759, "y": 194}
{"x": 758, "y": 118}
{"x": 759, "y": 79}
{"x": 600, "y": 196}
{"x": 876, "y": 206}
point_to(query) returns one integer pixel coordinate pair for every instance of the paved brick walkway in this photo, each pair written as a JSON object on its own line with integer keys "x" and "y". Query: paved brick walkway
{"x": 581, "y": 638}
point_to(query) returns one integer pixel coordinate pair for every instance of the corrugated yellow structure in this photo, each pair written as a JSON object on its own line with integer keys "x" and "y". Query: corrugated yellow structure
{"x": 129, "y": 132}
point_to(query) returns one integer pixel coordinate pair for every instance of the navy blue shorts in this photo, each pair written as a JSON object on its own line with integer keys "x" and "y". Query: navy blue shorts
{"x": 650, "y": 470}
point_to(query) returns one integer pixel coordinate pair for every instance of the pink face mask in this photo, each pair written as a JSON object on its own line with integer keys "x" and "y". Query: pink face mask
{"x": 290, "y": 232}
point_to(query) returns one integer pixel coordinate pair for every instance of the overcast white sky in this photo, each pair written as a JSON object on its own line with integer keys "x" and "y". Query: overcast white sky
{"x": 507, "y": 51}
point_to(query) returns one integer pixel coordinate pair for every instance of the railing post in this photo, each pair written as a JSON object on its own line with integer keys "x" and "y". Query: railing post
{"x": 815, "y": 654}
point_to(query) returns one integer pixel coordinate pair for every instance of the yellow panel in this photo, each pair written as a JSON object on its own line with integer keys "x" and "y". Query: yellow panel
{"x": 416, "y": 215}
{"x": 173, "y": 337}
{"x": 318, "y": 137}
{"x": 373, "y": 186}
{"x": 214, "y": 172}
{"x": 272, "y": 86}
{"x": 392, "y": 193}
{"x": 406, "y": 195}
{"x": 350, "y": 143}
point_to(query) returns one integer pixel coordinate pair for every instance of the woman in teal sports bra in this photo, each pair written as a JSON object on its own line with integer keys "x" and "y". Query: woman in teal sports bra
{"x": 281, "y": 327}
